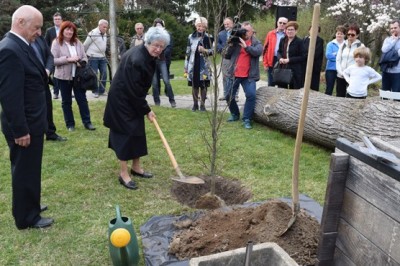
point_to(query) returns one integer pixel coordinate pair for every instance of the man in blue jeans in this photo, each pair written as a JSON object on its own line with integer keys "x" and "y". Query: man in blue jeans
{"x": 95, "y": 48}
{"x": 244, "y": 54}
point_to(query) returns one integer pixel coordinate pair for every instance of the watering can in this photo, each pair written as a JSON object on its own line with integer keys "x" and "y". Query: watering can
{"x": 124, "y": 249}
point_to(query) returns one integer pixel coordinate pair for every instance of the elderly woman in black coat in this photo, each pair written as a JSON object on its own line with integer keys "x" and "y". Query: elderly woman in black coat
{"x": 126, "y": 105}
{"x": 292, "y": 54}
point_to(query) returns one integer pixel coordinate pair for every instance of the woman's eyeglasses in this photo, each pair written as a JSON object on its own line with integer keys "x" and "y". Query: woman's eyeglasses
{"x": 351, "y": 34}
{"x": 280, "y": 22}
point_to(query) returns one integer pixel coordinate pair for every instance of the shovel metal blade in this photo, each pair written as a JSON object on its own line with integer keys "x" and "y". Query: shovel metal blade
{"x": 190, "y": 180}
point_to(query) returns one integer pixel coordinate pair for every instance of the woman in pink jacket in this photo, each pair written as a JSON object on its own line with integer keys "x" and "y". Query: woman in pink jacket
{"x": 69, "y": 54}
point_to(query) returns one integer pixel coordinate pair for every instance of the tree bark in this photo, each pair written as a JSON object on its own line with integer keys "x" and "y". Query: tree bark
{"x": 327, "y": 117}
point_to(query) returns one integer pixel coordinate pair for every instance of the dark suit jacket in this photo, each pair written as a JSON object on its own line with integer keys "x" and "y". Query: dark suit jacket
{"x": 50, "y": 35}
{"x": 46, "y": 54}
{"x": 23, "y": 82}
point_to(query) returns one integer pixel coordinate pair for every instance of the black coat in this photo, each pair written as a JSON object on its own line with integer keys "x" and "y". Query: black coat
{"x": 297, "y": 57}
{"x": 318, "y": 58}
{"x": 126, "y": 104}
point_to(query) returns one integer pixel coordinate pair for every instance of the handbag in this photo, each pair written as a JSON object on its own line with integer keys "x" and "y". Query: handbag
{"x": 281, "y": 74}
{"x": 85, "y": 77}
{"x": 389, "y": 59}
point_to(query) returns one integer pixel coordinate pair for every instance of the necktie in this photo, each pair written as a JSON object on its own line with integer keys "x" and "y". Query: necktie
{"x": 37, "y": 52}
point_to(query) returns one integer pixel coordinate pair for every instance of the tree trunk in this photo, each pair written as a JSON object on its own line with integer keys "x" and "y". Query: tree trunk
{"x": 327, "y": 117}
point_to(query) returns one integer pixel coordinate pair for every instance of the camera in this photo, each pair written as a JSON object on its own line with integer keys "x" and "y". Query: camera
{"x": 237, "y": 32}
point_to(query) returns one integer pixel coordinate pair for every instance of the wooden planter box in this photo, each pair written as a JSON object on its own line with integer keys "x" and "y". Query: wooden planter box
{"x": 361, "y": 217}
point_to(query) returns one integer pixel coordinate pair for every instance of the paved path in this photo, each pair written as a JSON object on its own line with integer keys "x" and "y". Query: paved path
{"x": 186, "y": 101}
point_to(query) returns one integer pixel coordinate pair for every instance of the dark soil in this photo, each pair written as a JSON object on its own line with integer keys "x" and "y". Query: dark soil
{"x": 232, "y": 192}
{"x": 229, "y": 228}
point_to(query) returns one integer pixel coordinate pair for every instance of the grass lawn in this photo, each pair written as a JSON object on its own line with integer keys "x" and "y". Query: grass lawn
{"x": 80, "y": 185}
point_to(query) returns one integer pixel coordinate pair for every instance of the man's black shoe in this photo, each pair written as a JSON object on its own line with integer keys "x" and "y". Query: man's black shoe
{"x": 43, "y": 208}
{"x": 42, "y": 223}
{"x": 56, "y": 138}
{"x": 89, "y": 126}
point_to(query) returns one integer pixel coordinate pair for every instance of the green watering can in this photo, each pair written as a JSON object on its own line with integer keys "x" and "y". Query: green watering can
{"x": 124, "y": 249}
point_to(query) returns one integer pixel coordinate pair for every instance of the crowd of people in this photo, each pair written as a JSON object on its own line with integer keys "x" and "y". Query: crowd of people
{"x": 30, "y": 62}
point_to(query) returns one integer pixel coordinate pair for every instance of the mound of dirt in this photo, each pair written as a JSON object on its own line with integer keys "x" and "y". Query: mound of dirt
{"x": 226, "y": 229}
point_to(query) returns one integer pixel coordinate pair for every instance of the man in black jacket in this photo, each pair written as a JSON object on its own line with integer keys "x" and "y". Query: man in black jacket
{"x": 23, "y": 117}
{"x": 46, "y": 58}
{"x": 51, "y": 34}
{"x": 318, "y": 57}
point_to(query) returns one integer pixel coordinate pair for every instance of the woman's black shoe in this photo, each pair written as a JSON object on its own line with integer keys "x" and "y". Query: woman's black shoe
{"x": 131, "y": 184}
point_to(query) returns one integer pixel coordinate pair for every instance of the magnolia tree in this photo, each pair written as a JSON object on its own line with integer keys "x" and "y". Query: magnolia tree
{"x": 371, "y": 16}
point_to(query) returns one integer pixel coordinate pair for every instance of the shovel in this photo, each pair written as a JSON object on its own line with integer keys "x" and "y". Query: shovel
{"x": 182, "y": 178}
{"x": 300, "y": 128}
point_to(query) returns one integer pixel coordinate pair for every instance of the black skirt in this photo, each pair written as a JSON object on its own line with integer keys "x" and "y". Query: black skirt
{"x": 127, "y": 147}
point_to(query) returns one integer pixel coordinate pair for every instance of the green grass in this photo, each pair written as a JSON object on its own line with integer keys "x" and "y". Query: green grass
{"x": 80, "y": 185}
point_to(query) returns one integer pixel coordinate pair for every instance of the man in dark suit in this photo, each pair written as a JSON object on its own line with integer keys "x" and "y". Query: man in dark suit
{"x": 51, "y": 34}
{"x": 46, "y": 58}
{"x": 23, "y": 116}
{"x": 318, "y": 57}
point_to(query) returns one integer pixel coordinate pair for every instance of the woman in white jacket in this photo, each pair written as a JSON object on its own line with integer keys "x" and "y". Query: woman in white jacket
{"x": 345, "y": 58}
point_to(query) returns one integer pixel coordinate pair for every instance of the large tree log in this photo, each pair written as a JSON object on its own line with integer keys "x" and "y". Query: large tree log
{"x": 327, "y": 117}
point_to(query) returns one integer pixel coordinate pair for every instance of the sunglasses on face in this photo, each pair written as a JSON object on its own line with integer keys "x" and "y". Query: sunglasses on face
{"x": 351, "y": 34}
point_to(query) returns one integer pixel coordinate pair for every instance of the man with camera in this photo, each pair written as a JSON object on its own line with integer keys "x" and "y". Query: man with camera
{"x": 243, "y": 53}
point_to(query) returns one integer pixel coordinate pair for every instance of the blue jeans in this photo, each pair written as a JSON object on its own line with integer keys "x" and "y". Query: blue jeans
{"x": 66, "y": 87}
{"x": 162, "y": 72}
{"x": 99, "y": 64}
{"x": 249, "y": 87}
{"x": 391, "y": 82}
{"x": 330, "y": 78}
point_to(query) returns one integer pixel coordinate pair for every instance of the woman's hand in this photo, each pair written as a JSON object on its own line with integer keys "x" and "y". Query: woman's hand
{"x": 283, "y": 61}
{"x": 73, "y": 59}
{"x": 151, "y": 115}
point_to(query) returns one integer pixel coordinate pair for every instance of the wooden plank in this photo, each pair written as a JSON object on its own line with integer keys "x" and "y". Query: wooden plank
{"x": 373, "y": 224}
{"x": 341, "y": 259}
{"x": 375, "y": 187}
{"x": 359, "y": 249}
{"x": 334, "y": 191}
{"x": 333, "y": 201}
{"x": 391, "y": 170}
{"x": 326, "y": 246}
{"x": 339, "y": 162}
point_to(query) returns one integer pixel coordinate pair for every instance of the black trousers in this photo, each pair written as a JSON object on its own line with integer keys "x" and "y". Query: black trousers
{"x": 341, "y": 87}
{"x": 51, "y": 130}
{"x": 26, "y": 166}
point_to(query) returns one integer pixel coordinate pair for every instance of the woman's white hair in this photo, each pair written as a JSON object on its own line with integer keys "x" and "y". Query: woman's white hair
{"x": 156, "y": 34}
{"x": 201, "y": 20}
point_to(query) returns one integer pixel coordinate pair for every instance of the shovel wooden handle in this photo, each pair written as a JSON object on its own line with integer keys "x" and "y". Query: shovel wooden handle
{"x": 300, "y": 128}
{"x": 169, "y": 151}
